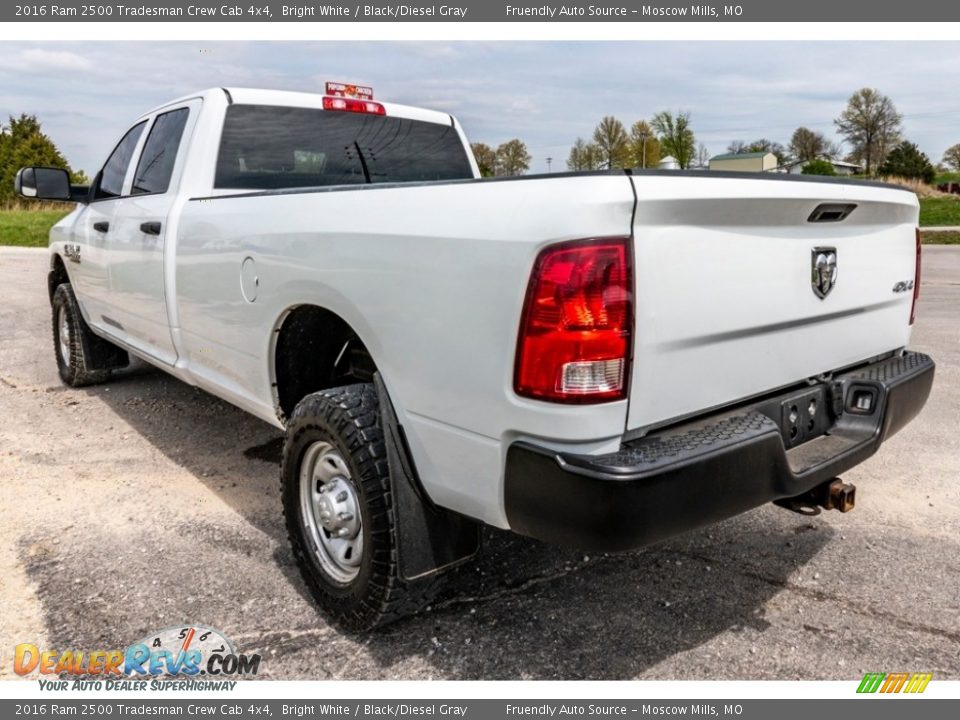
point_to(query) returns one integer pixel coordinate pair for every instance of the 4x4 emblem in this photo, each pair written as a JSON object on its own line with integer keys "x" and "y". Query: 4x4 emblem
{"x": 823, "y": 270}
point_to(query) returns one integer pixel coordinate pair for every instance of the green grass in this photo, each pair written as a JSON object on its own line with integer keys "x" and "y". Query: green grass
{"x": 939, "y": 211}
{"x": 28, "y": 228}
{"x": 946, "y": 177}
{"x": 940, "y": 238}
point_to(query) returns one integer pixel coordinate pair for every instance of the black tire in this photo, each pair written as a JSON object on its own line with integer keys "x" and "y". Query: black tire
{"x": 73, "y": 362}
{"x": 348, "y": 418}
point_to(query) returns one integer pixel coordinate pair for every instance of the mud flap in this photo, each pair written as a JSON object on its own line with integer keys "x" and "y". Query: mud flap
{"x": 98, "y": 354}
{"x": 430, "y": 539}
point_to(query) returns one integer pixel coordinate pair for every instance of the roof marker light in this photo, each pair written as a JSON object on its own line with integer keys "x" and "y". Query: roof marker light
{"x": 352, "y": 105}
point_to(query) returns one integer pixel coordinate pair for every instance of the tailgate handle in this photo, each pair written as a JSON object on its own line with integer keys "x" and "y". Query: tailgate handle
{"x": 831, "y": 212}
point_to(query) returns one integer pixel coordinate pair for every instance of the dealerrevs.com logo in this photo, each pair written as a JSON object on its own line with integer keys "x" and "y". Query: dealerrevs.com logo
{"x": 171, "y": 659}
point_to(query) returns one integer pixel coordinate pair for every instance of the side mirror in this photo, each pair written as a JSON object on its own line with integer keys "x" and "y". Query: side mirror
{"x": 43, "y": 183}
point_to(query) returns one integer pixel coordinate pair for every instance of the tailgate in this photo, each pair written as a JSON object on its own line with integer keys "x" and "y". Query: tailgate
{"x": 726, "y": 303}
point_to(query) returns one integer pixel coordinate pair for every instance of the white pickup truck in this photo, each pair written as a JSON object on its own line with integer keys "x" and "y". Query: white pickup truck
{"x": 599, "y": 360}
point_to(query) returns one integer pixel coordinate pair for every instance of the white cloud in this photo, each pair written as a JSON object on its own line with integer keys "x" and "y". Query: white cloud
{"x": 41, "y": 61}
{"x": 546, "y": 93}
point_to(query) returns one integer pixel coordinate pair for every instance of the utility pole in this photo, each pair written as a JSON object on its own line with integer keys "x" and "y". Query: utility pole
{"x": 549, "y": 162}
{"x": 643, "y": 141}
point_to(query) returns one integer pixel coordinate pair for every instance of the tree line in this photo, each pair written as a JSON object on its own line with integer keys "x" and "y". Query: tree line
{"x": 870, "y": 125}
{"x": 23, "y": 143}
{"x": 509, "y": 158}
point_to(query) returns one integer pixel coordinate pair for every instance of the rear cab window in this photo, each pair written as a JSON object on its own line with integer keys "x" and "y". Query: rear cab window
{"x": 265, "y": 147}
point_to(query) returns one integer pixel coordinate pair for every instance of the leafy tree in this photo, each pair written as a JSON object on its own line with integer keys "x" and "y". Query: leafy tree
{"x": 486, "y": 158}
{"x": 512, "y": 158}
{"x": 644, "y": 146}
{"x": 871, "y": 126}
{"x": 906, "y": 160}
{"x": 612, "y": 143}
{"x": 818, "y": 166}
{"x": 951, "y": 158}
{"x": 676, "y": 136}
{"x": 583, "y": 156}
{"x": 23, "y": 143}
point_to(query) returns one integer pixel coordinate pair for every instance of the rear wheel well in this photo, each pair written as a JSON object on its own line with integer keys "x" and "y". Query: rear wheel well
{"x": 57, "y": 275}
{"x": 316, "y": 349}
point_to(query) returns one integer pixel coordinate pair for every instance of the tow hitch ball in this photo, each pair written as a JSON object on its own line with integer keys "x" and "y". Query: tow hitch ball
{"x": 831, "y": 495}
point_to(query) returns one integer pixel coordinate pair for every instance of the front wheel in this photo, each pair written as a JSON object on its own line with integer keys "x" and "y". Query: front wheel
{"x": 338, "y": 508}
{"x": 71, "y": 340}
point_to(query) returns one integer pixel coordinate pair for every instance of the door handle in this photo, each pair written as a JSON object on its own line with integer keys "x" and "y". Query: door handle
{"x": 150, "y": 228}
{"x": 101, "y": 226}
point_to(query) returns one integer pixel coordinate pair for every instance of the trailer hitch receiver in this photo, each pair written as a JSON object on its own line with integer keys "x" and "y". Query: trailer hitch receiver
{"x": 833, "y": 494}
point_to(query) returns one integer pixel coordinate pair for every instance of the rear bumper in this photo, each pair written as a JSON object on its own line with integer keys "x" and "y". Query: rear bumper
{"x": 705, "y": 471}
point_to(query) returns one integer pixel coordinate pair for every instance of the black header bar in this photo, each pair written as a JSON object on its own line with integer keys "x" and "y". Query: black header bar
{"x": 482, "y": 11}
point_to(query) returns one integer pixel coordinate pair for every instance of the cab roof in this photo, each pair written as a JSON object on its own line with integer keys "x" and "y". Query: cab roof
{"x": 288, "y": 98}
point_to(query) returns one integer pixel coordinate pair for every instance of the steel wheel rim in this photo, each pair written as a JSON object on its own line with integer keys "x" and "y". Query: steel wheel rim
{"x": 330, "y": 508}
{"x": 63, "y": 335}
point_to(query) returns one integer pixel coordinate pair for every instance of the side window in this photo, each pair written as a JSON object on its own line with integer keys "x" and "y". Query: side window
{"x": 160, "y": 153}
{"x": 115, "y": 169}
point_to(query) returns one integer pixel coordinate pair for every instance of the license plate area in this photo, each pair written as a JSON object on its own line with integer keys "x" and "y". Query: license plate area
{"x": 804, "y": 416}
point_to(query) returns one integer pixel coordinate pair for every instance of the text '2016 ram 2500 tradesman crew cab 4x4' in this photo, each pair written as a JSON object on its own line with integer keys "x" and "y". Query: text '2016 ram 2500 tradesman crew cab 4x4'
{"x": 599, "y": 360}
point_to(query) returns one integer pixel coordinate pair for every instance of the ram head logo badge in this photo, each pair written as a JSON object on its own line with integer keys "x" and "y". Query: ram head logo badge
{"x": 823, "y": 270}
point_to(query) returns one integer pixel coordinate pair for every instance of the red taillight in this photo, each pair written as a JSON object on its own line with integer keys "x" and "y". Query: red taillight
{"x": 353, "y": 105}
{"x": 575, "y": 334}
{"x": 916, "y": 282}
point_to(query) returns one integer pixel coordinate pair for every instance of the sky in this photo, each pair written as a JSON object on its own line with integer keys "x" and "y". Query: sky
{"x": 548, "y": 94}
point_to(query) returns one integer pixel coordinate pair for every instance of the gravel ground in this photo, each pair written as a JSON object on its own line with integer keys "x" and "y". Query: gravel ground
{"x": 145, "y": 503}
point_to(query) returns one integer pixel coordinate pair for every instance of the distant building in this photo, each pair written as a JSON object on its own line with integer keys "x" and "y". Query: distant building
{"x": 745, "y": 162}
{"x": 668, "y": 163}
{"x": 795, "y": 167}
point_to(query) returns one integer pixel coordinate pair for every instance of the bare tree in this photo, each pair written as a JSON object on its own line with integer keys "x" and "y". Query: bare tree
{"x": 807, "y": 144}
{"x": 871, "y": 126}
{"x": 676, "y": 136}
{"x": 768, "y": 146}
{"x": 737, "y": 147}
{"x": 951, "y": 158}
{"x": 513, "y": 158}
{"x": 583, "y": 156}
{"x": 612, "y": 143}
{"x": 703, "y": 156}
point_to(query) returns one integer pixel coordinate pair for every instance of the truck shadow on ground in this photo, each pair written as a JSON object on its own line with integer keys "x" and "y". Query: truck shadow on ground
{"x": 522, "y": 610}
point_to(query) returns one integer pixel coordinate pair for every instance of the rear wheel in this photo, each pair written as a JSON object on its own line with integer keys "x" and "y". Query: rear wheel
{"x": 338, "y": 508}
{"x": 71, "y": 340}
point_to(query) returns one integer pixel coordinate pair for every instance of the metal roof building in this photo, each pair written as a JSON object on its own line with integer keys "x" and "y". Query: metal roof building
{"x": 745, "y": 162}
